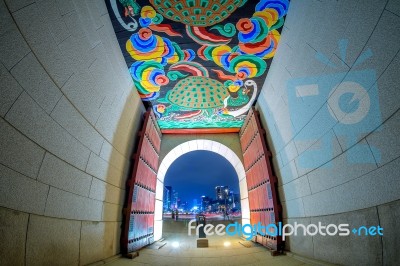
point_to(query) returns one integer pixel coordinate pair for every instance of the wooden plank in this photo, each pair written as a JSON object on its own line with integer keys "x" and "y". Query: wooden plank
{"x": 138, "y": 215}
{"x": 264, "y": 206}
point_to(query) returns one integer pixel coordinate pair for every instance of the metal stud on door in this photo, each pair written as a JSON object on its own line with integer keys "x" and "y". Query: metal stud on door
{"x": 263, "y": 198}
{"x": 138, "y": 215}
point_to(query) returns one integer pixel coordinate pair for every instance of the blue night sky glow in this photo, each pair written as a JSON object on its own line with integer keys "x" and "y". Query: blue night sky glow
{"x": 197, "y": 173}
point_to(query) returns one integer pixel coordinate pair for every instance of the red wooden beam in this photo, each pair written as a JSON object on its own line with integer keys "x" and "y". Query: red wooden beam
{"x": 200, "y": 130}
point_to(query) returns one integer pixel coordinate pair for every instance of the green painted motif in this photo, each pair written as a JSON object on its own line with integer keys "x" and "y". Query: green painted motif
{"x": 172, "y": 124}
{"x": 197, "y": 13}
{"x": 174, "y": 75}
{"x": 240, "y": 100}
{"x": 195, "y": 93}
{"x": 132, "y": 4}
{"x": 227, "y": 30}
{"x": 198, "y": 93}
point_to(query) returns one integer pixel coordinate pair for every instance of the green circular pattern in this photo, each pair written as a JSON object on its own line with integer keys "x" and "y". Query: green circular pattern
{"x": 199, "y": 13}
{"x": 198, "y": 93}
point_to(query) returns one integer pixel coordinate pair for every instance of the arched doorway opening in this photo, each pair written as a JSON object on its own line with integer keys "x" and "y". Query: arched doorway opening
{"x": 259, "y": 201}
{"x": 201, "y": 182}
{"x": 196, "y": 145}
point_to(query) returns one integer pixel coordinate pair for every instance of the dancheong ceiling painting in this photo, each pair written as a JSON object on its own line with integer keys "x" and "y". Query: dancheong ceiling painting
{"x": 198, "y": 63}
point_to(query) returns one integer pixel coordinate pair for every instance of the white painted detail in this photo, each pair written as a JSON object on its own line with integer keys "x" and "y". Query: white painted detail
{"x": 245, "y": 108}
{"x": 131, "y": 26}
{"x": 243, "y": 189}
{"x": 159, "y": 193}
{"x": 185, "y": 147}
{"x": 193, "y": 145}
{"x": 245, "y": 208}
{"x": 215, "y": 147}
{"x": 207, "y": 144}
{"x": 158, "y": 210}
{"x": 200, "y": 144}
{"x": 158, "y": 225}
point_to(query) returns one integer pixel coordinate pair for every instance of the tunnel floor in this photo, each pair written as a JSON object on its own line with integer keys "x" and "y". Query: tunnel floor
{"x": 218, "y": 252}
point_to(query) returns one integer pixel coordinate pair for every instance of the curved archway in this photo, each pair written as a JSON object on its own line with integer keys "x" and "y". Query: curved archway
{"x": 196, "y": 145}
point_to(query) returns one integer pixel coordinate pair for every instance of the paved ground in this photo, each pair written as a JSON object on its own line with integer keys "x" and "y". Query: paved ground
{"x": 216, "y": 254}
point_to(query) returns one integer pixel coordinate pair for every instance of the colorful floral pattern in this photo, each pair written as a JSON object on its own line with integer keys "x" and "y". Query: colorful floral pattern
{"x": 230, "y": 43}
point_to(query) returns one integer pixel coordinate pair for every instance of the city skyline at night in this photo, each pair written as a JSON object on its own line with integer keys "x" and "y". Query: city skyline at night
{"x": 172, "y": 200}
{"x": 197, "y": 173}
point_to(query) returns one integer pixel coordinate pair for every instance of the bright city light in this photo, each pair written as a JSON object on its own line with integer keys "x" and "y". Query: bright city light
{"x": 175, "y": 244}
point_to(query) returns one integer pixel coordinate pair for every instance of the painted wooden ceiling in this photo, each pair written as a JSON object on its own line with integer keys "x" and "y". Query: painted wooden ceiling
{"x": 198, "y": 63}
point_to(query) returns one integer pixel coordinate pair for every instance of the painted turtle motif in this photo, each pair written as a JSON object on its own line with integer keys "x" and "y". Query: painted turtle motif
{"x": 196, "y": 93}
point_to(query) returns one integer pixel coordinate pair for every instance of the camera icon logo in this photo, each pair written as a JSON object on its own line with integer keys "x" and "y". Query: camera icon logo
{"x": 343, "y": 101}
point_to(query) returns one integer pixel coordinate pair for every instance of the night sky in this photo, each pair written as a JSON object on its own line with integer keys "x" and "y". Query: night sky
{"x": 198, "y": 172}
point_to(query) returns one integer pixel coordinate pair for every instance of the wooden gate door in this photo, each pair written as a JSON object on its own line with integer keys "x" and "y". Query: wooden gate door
{"x": 261, "y": 181}
{"x": 138, "y": 215}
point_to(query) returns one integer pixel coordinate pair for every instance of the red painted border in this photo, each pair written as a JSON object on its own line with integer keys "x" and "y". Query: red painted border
{"x": 200, "y": 130}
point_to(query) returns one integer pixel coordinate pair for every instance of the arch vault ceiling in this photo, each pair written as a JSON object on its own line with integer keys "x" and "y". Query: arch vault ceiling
{"x": 198, "y": 63}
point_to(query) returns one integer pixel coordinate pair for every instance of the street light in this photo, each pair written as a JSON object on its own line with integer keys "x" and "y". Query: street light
{"x": 226, "y": 195}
